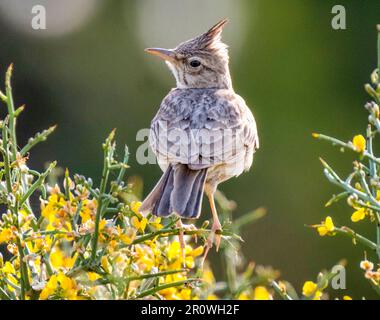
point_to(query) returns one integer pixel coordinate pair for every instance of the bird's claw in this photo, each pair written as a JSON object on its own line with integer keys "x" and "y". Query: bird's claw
{"x": 215, "y": 236}
{"x": 218, "y": 238}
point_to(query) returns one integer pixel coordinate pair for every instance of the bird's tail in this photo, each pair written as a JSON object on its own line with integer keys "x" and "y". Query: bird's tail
{"x": 180, "y": 191}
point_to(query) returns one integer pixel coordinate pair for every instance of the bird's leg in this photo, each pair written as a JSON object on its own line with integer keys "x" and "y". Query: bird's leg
{"x": 216, "y": 229}
{"x": 181, "y": 241}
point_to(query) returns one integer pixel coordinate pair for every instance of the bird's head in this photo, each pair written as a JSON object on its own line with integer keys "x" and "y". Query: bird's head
{"x": 201, "y": 62}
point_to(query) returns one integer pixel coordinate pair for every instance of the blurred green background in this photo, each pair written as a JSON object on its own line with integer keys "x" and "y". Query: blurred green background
{"x": 88, "y": 73}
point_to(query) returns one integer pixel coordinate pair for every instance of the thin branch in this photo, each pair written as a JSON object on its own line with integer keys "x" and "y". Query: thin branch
{"x": 279, "y": 291}
{"x": 158, "y": 288}
{"x": 356, "y": 237}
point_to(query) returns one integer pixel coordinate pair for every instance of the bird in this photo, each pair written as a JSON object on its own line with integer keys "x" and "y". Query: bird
{"x": 203, "y": 133}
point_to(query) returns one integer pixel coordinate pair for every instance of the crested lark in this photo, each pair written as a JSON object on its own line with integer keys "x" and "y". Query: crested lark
{"x": 203, "y": 133}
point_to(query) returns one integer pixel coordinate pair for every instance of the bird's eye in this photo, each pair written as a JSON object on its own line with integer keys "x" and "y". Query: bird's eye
{"x": 195, "y": 63}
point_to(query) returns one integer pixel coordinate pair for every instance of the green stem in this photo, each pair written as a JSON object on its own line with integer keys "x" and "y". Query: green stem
{"x": 123, "y": 168}
{"x": 7, "y": 167}
{"x": 46, "y": 261}
{"x": 103, "y": 185}
{"x": 335, "y": 179}
{"x": 11, "y": 284}
{"x": 345, "y": 145}
{"x": 368, "y": 191}
{"x": 166, "y": 233}
{"x": 356, "y": 237}
{"x": 4, "y": 295}
{"x": 280, "y": 292}
{"x": 38, "y": 183}
{"x": 375, "y": 286}
{"x": 11, "y": 112}
{"x": 3, "y": 97}
{"x": 25, "y": 286}
{"x": 155, "y": 289}
{"x": 372, "y": 164}
{"x": 39, "y": 137}
{"x": 154, "y": 275}
{"x": 47, "y": 233}
{"x": 143, "y": 276}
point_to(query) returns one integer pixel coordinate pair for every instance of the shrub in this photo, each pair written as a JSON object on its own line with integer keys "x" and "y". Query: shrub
{"x": 361, "y": 188}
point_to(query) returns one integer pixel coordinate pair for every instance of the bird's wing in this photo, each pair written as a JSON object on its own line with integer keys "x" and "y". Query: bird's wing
{"x": 203, "y": 128}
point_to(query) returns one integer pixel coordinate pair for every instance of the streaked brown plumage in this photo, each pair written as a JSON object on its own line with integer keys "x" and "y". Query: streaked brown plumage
{"x": 203, "y": 133}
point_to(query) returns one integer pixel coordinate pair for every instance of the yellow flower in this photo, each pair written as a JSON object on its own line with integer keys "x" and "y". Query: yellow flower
{"x": 197, "y": 251}
{"x": 105, "y": 265}
{"x": 326, "y": 227}
{"x": 169, "y": 293}
{"x": 139, "y": 224}
{"x": 347, "y": 298}
{"x": 59, "y": 259}
{"x": 174, "y": 250}
{"x": 208, "y": 275}
{"x": 174, "y": 255}
{"x": 50, "y": 288}
{"x": 6, "y": 235}
{"x": 135, "y": 207}
{"x": 13, "y": 280}
{"x": 310, "y": 290}
{"x": 54, "y": 207}
{"x": 244, "y": 296}
{"x": 126, "y": 236}
{"x": 184, "y": 294}
{"x": 358, "y": 215}
{"x": 317, "y": 295}
{"x": 102, "y": 224}
{"x": 174, "y": 293}
{"x": 93, "y": 276}
{"x": 261, "y": 293}
{"x": 67, "y": 287}
{"x": 112, "y": 245}
{"x": 65, "y": 282}
{"x": 359, "y": 143}
{"x": 144, "y": 257}
{"x": 156, "y": 223}
{"x": 24, "y": 219}
{"x": 39, "y": 244}
{"x": 88, "y": 210}
{"x": 8, "y": 268}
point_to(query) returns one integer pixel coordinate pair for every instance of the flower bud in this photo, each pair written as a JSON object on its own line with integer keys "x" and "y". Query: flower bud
{"x": 370, "y": 91}
{"x": 205, "y": 224}
{"x": 352, "y": 199}
{"x": 375, "y": 77}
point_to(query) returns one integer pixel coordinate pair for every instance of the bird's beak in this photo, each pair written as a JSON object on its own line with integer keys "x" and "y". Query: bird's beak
{"x": 166, "y": 54}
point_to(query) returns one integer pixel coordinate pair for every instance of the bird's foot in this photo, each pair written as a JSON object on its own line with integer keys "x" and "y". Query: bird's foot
{"x": 215, "y": 236}
{"x": 218, "y": 238}
{"x": 216, "y": 233}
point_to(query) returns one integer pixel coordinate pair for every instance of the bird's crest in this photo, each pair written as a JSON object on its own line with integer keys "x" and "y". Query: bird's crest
{"x": 208, "y": 41}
